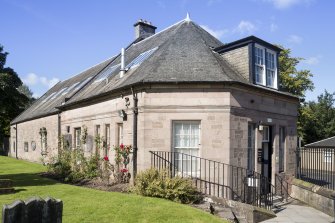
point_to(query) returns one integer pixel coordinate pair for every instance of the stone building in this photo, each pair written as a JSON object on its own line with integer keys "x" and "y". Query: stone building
{"x": 180, "y": 89}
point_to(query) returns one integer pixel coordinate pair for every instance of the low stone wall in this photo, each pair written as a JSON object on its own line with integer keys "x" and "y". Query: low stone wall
{"x": 242, "y": 212}
{"x": 315, "y": 196}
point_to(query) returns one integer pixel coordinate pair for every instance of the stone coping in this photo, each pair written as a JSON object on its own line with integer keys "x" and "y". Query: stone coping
{"x": 314, "y": 188}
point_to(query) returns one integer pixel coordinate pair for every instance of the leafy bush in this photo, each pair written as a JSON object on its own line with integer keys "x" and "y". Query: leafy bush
{"x": 72, "y": 166}
{"x": 61, "y": 166}
{"x": 92, "y": 167}
{"x": 155, "y": 183}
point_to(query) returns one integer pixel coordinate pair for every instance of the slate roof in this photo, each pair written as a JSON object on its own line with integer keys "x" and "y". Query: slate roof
{"x": 184, "y": 55}
{"x": 46, "y": 106}
{"x": 329, "y": 142}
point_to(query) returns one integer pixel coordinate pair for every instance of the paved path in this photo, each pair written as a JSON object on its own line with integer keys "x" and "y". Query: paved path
{"x": 298, "y": 213}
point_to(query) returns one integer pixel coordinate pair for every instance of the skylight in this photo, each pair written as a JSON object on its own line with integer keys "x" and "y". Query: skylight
{"x": 142, "y": 57}
{"x": 70, "y": 88}
{"x": 48, "y": 97}
{"x": 106, "y": 73}
{"x": 83, "y": 83}
{"x": 58, "y": 93}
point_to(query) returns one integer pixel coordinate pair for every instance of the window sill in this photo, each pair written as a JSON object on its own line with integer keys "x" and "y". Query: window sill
{"x": 266, "y": 86}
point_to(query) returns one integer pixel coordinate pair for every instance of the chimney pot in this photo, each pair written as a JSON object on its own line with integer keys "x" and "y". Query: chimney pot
{"x": 144, "y": 29}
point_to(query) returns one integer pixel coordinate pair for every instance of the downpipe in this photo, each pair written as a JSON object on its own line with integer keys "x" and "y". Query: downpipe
{"x": 135, "y": 111}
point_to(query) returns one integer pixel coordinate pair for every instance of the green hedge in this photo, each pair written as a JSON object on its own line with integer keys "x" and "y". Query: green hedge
{"x": 155, "y": 183}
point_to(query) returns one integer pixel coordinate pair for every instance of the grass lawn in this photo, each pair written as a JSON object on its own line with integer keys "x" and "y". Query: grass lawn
{"x": 88, "y": 205}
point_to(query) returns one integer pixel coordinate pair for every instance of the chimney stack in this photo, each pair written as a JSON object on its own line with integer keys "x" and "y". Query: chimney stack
{"x": 144, "y": 29}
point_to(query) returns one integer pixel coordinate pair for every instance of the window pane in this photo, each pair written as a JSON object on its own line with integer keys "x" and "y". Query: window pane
{"x": 270, "y": 69}
{"x": 270, "y": 75}
{"x": 259, "y": 63}
{"x": 259, "y": 74}
{"x": 77, "y": 137}
{"x": 143, "y": 56}
{"x": 186, "y": 141}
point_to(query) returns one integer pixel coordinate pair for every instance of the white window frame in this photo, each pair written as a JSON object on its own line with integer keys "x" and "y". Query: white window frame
{"x": 264, "y": 68}
{"x": 266, "y": 134}
{"x": 177, "y": 149}
{"x": 261, "y": 66}
{"x": 119, "y": 131}
{"x": 77, "y": 138}
{"x": 107, "y": 138}
{"x": 271, "y": 69}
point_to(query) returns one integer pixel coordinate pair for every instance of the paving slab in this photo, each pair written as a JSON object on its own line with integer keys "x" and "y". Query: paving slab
{"x": 297, "y": 212}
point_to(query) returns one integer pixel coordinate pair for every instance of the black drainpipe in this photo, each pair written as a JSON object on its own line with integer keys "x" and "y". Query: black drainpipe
{"x": 135, "y": 110}
{"x": 59, "y": 132}
{"x": 16, "y": 141}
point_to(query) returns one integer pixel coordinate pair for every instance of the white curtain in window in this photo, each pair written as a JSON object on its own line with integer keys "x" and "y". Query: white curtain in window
{"x": 186, "y": 141}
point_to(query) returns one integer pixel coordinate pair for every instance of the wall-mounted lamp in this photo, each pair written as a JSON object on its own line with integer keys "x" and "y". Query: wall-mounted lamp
{"x": 123, "y": 115}
{"x": 260, "y": 126}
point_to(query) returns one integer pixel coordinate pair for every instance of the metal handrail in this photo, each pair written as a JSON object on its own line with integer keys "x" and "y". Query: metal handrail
{"x": 217, "y": 178}
{"x": 283, "y": 187}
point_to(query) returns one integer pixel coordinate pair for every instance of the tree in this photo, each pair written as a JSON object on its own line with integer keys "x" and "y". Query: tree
{"x": 24, "y": 89}
{"x": 318, "y": 118}
{"x": 295, "y": 81}
{"x": 12, "y": 101}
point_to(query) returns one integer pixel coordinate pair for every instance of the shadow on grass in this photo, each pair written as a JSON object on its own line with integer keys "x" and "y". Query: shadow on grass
{"x": 28, "y": 179}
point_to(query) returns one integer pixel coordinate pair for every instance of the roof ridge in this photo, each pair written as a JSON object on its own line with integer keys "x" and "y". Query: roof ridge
{"x": 163, "y": 30}
{"x": 202, "y": 29}
{"x": 197, "y": 27}
{"x": 319, "y": 141}
{"x": 163, "y": 44}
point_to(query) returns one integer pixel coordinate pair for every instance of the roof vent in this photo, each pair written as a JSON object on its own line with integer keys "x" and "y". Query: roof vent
{"x": 144, "y": 29}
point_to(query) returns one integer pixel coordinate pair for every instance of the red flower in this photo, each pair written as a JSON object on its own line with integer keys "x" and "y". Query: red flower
{"x": 124, "y": 170}
{"x": 121, "y": 146}
{"x": 106, "y": 158}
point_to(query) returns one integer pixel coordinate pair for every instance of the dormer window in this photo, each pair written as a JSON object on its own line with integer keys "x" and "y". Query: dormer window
{"x": 265, "y": 67}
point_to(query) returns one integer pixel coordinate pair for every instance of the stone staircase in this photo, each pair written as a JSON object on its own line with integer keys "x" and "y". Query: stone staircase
{"x": 234, "y": 211}
{"x": 6, "y": 186}
{"x": 279, "y": 203}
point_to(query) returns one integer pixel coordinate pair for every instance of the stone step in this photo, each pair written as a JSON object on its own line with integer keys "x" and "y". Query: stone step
{"x": 6, "y": 183}
{"x": 6, "y": 190}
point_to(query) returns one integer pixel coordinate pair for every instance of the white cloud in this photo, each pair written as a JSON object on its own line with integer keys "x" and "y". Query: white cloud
{"x": 36, "y": 95}
{"x": 284, "y": 4}
{"x": 32, "y": 80}
{"x": 273, "y": 27}
{"x": 219, "y": 33}
{"x": 313, "y": 60}
{"x": 49, "y": 82}
{"x": 295, "y": 39}
{"x": 245, "y": 27}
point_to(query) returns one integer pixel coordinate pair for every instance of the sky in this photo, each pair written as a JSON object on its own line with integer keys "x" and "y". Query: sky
{"x": 50, "y": 41}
